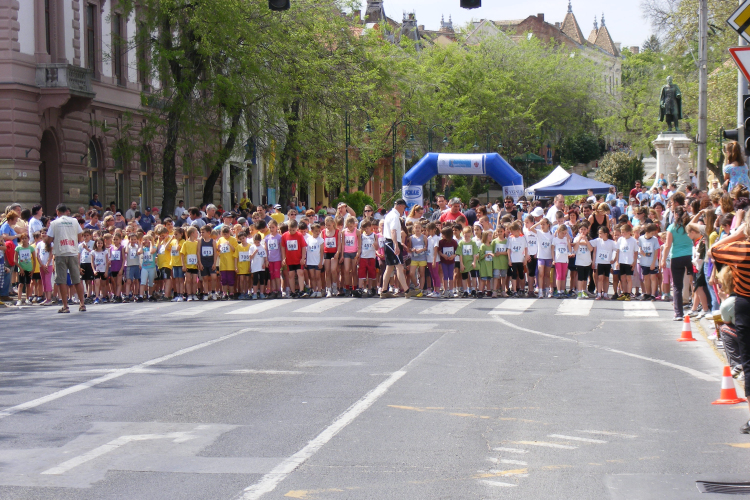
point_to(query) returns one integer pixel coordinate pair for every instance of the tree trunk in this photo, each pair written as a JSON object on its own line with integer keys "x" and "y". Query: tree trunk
{"x": 226, "y": 152}
{"x": 169, "y": 164}
{"x": 288, "y": 160}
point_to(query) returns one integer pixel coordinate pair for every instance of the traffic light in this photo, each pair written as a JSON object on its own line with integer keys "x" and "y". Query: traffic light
{"x": 278, "y": 4}
{"x": 746, "y": 123}
{"x": 471, "y": 4}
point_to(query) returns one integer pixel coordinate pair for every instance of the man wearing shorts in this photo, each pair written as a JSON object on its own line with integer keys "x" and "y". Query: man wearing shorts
{"x": 392, "y": 232}
{"x": 63, "y": 235}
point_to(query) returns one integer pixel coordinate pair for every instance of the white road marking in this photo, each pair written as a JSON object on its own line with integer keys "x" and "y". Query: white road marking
{"x": 639, "y": 309}
{"x": 695, "y": 373}
{"x": 507, "y": 461}
{"x": 448, "y": 306}
{"x": 510, "y": 450}
{"x": 508, "y": 473}
{"x": 269, "y": 482}
{"x": 64, "y": 467}
{"x": 497, "y": 483}
{"x": 546, "y": 444}
{"x": 259, "y": 307}
{"x": 267, "y": 372}
{"x": 323, "y": 305}
{"x": 385, "y": 305}
{"x": 574, "y": 438}
{"x": 573, "y": 307}
{"x": 119, "y": 373}
{"x": 608, "y": 433}
{"x": 201, "y": 308}
{"x": 513, "y": 306}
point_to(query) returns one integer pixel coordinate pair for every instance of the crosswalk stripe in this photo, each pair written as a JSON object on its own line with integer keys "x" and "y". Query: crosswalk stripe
{"x": 257, "y": 308}
{"x": 323, "y": 305}
{"x": 573, "y": 307}
{"x": 639, "y": 309}
{"x": 448, "y": 306}
{"x": 195, "y": 310}
{"x": 384, "y": 306}
{"x": 545, "y": 444}
{"x": 513, "y": 306}
{"x": 576, "y": 438}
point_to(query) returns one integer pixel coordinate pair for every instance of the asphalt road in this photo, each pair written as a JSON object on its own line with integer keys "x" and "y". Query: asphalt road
{"x": 362, "y": 399}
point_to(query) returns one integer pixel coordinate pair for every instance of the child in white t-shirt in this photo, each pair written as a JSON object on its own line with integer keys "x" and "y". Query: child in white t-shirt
{"x": 604, "y": 248}
{"x": 625, "y": 256}
{"x": 518, "y": 254}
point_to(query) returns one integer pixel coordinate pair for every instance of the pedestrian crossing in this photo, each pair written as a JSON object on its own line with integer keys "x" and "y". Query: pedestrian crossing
{"x": 400, "y": 307}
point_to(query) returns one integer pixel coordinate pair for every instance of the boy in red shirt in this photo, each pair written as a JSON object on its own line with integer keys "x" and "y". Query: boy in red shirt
{"x": 293, "y": 256}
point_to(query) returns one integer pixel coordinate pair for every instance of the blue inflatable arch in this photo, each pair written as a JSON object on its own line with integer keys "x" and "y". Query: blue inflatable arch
{"x": 432, "y": 164}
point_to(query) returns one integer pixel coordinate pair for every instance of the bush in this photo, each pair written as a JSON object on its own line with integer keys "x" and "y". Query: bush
{"x": 621, "y": 170}
{"x": 461, "y": 192}
{"x": 356, "y": 200}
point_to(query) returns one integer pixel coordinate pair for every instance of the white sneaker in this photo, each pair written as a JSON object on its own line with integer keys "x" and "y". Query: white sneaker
{"x": 19, "y": 303}
{"x": 328, "y": 294}
{"x": 177, "y": 299}
{"x": 215, "y": 297}
{"x": 206, "y": 298}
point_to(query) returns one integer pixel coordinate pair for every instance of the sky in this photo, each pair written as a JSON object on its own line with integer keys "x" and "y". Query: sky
{"x": 624, "y": 19}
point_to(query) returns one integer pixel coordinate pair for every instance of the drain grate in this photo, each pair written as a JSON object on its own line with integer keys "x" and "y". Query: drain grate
{"x": 724, "y": 488}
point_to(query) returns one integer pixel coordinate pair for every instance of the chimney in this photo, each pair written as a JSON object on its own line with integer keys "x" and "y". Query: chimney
{"x": 357, "y": 15}
{"x": 540, "y": 17}
{"x": 617, "y": 45}
{"x": 635, "y": 50}
{"x": 557, "y": 25}
{"x": 421, "y": 27}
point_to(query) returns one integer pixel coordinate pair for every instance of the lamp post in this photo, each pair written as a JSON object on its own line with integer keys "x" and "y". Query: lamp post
{"x": 394, "y": 130}
{"x": 499, "y": 141}
{"x": 348, "y": 141}
{"x": 430, "y": 134}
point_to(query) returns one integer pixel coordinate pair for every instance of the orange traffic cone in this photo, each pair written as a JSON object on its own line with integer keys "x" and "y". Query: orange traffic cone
{"x": 728, "y": 392}
{"x": 687, "y": 333}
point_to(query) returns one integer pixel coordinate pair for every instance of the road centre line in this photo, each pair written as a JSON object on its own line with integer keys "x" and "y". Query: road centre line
{"x": 270, "y": 481}
{"x": 498, "y": 483}
{"x": 690, "y": 371}
{"x": 608, "y": 433}
{"x": 116, "y": 374}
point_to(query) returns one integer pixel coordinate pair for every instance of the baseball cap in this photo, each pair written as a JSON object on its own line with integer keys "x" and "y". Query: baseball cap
{"x": 537, "y": 212}
{"x": 277, "y": 206}
{"x": 228, "y": 215}
{"x": 148, "y": 209}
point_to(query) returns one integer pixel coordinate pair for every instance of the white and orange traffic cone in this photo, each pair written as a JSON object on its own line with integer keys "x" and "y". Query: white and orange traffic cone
{"x": 687, "y": 332}
{"x": 728, "y": 394}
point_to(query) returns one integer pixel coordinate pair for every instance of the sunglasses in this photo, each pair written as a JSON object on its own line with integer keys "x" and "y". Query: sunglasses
{"x": 368, "y": 211}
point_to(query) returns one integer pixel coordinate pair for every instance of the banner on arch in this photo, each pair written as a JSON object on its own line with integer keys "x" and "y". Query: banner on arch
{"x": 514, "y": 191}
{"x": 461, "y": 164}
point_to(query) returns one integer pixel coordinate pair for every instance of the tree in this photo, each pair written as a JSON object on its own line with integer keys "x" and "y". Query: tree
{"x": 580, "y": 148}
{"x": 620, "y": 169}
{"x": 652, "y": 44}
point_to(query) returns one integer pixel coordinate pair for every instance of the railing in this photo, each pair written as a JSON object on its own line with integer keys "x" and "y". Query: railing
{"x": 62, "y": 75}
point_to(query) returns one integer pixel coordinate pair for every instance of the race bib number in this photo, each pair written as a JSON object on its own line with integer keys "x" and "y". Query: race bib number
{"x": 468, "y": 250}
{"x": 133, "y": 253}
{"x": 261, "y": 253}
{"x": 115, "y": 255}
{"x": 418, "y": 248}
{"x": 207, "y": 251}
{"x": 24, "y": 255}
{"x": 314, "y": 247}
{"x": 273, "y": 244}
{"x": 349, "y": 241}
{"x": 84, "y": 256}
{"x": 545, "y": 244}
{"x": 175, "y": 251}
{"x": 366, "y": 245}
{"x": 448, "y": 251}
{"x": 500, "y": 248}
{"x": 162, "y": 249}
{"x": 604, "y": 256}
{"x": 583, "y": 250}
{"x": 517, "y": 249}
{"x": 224, "y": 248}
{"x": 562, "y": 251}
{"x": 192, "y": 260}
{"x": 626, "y": 248}
{"x": 291, "y": 245}
{"x": 99, "y": 262}
{"x": 330, "y": 242}
{"x": 147, "y": 257}
{"x": 244, "y": 257}
{"x": 488, "y": 256}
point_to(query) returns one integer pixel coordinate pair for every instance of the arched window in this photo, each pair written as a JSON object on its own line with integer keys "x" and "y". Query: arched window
{"x": 145, "y": 174}
{"x": 93, "y": 164}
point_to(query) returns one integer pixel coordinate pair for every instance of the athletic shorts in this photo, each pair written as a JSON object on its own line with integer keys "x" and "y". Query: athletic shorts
{"x": 531, "y": 265}
{"x": 418, "y": 263}
{"x": 177, "y": 272}
{"x": 350, "y": 255}
{"x": 148, "y": 274}
{"x": 192, "y": 271}
{"x": 100, "y": 276}
{"x": 36, "y": 276}
{"x": 367, "y": 269}
{"x": 87, "y": 272}
{"x": 329, "y": 256}
{"x": 113, "y": 274}
{"x": 227, "y": 278}
{"x": 165, "y": 273}
{"x": 626, "y": 270}
{"x": 499, "y": 273}
{"x": 207, "y": 271}
{"x": 517, "y": 272}
{"x": 274, "y": 269}
{"x": 648, "y": 270}
{"x": 259, "y": 278}
{"x": 583, "y": 272}
{"x": 391, "y": 259}
{"x": 312, "y": 267}
{"x": 293, "y": 267}
{"x": 604, "y": 269}
{"x": 545, "y": 262}
{"x": 24, "y": 277}
{"x": 133, "y": 273}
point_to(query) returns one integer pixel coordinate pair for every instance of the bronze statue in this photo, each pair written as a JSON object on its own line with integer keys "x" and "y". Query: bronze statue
{"x": 670, "y": 105}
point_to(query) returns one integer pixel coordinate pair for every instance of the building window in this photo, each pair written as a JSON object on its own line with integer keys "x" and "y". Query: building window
{"x": 91, "y": 37}
{"x": 145, "y": 184}
{"x": 142, "y": 55}
{"x": 47, "y": 24}
{"x": 93, "y": 167}
{"x": 186, "y": 193}
{"x": 117, "y": 52}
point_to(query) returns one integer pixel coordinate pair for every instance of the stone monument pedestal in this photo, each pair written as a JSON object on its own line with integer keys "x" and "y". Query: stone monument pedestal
{"x": 673, "y": 158}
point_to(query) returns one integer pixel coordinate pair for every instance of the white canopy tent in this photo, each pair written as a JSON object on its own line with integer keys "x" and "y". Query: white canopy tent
{"x": 557, "y": 175}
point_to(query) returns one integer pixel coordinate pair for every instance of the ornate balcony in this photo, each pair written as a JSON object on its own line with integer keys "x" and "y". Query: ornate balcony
{"x": 64, "y": 86}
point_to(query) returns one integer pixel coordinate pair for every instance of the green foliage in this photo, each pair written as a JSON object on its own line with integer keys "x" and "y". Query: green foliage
{"x": 356, "y": 200}
{"x": 461, "y": 192}
{"x": 579, "y": 148}
{"x": 621, "y": 170}
{"x": 479, "y": 185}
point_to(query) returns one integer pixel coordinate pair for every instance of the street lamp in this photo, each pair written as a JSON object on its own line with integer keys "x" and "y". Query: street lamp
{"x": 499, "y": 141}
{"x": 394, "y": 130}
{"x": 430, "y": 134}
{"x": 348, "y": 141}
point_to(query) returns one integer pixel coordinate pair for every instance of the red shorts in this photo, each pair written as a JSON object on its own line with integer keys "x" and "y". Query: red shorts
{"x": 274, "y": 269}
{"x": 367, "y": 269}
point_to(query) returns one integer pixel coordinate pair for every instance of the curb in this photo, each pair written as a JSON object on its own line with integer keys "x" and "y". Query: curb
{"x": 719, "y": 354}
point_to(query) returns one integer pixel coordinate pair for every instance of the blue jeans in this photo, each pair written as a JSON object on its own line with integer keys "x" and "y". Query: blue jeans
{"x": 712, "y": 294}
{"x": 5, "y": 289}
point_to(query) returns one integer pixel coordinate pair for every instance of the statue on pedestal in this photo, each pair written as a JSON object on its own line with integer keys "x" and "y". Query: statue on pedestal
{"x": 683, "y": 166}
{"x": 670, "y": 105}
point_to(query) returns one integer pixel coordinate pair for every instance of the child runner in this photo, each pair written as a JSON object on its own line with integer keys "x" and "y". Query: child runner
{"x": 582, "y": 248}
{"x": 46, "y": 265}
{"x": 164, "y": 261}
{"x": 178, "y": 274}
{"x": 26, "y": 260}
{"x": 469, "y": 252}
{"x": 87, "y": 271}
{"x": 116, "y": 266}
{"x": 604, "y": 248}
{"x": 36, "y": 275}
{"x": 625, "y": 256}
{"x": 293, "y": 253}
{"x": 432, "y": 258}
{"x": 227, "y": 246}
{"x": 190, "y": 257}
{"x": 207, "y": 263}
{"x": 244, "y": 271}
{"x": 350, "y": 241}
{"x": 315, "y": 250}
{"x": 544, "y": 256}
{"x": 148, "y": 269}
{"x": 272, "y": 243}
{"x": 500, "y": 262}
{"x": 100, "y": 260}
{"x": 368, "y": 257}
{"x": 648, "y": 256}
{"x": 666, "y": 270}
{"x": 485, "y": 265}
{"x": 518, "y": 254}
{"x": 417, "y": 244}
{"x": 446, "y": 251}
{"x": 133, "y": 271}
{"x": 532, "y": 249}
{"x": 561, "y": 249}
{"x": 258, "y": 265}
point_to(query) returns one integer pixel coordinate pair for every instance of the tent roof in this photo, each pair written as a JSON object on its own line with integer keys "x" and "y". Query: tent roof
{"x": 573, "y": 184}
{"x": 529, "y": 157}
{"x": 557, "y": 175}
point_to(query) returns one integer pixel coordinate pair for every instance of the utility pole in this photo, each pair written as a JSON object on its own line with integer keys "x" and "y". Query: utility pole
{"x": 702, "y": 94}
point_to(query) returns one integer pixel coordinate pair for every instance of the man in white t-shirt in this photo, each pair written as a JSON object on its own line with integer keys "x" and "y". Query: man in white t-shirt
{"x": 392, "y": 233}
{"x": 559, "y": 205}
{"x": 35, "y": 223}
{"x": 63, "y": 234}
